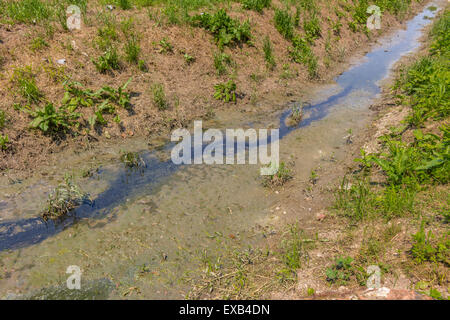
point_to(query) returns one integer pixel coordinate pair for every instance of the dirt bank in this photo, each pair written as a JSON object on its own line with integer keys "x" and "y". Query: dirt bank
{"x": 188, "y": 86}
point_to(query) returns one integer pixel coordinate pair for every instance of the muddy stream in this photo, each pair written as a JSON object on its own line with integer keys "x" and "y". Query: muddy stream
{"x": 151, "y": 228}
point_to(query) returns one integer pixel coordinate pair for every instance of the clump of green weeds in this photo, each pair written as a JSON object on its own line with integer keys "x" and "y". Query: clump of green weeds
{"x": 288, "y": 73}
{"x": 188, "y": 58}
{"x": 38, "y": 44}
{"x": 24, "y": 79}
{"x": 441, "y": 36}
{"x": 26, "y": 11}
{"x": 107, "y": 33}
{"x": 340, "y": 270}
{"x": 256, "y": 5}
{"x": 310, "y": 292}
{"x": 66, "y": 197}
{"x": 226, "y": 31}
{"x": 426, "y": 248}
{"x": 55, "y": 72}
{"x": 359, "y": 11}
{"x": 173, "y": 14}
{"x": 313, "y": 177}
{"x": 308, "y": 5}
{"x": 132, "y": 160}
{"x": 279, "y": 178}
{"x": 268, "y": 53}
{"x": 225, "y": 91}
{"x": 119, "y": 96}
{"x": 397, "y": 201}
{"x": 294, "y": 252}
{"x": 132, "y": 49}
{"x": 2, "y": 119}
{"x": 296, "y": 115}
{"x": 424, "y": 84}
{"x": 109, "y": 61}
{"x": 103, "y": 101}
{"x": 221, "y": 61}
{"x": 124, "y": 4}
{"x": 343, "y": 270}
{"x": 358, "y": 201}
{"x": 424, "y": 160}
{"x": 354, "y": 200}
{"x": 301, "y": 52}
{"x": 52, "y": 120}
{"x": 4, "y": 142}
{"x": 159, "y": 97}
{"x": 142, "y": 66}
{"x": 312, "y": 28}
{"x": 336, "y": 27}
{"x": 165, "y": 46}
{"x": 284, "y": 23}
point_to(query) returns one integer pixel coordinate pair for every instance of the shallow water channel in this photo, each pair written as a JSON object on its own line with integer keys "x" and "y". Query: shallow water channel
{"x": 149, "y": 228}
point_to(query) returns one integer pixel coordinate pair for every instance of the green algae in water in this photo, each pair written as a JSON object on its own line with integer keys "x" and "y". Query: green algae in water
{"x": 92, "y": 290}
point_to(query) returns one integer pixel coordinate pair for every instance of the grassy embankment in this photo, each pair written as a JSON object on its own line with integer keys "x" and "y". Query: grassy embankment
{"x": 182, "y": 64}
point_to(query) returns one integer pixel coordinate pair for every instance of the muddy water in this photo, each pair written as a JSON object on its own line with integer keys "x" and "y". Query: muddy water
{"x": 146, "y": 230}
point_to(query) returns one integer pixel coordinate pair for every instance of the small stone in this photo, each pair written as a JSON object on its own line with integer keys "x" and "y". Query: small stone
{"x": 379, "y": 293}
{"x": 110, "y": 7}
{"x": 383, "y": 292}
{"x": 321, "y": 216}
{"x": 61, "y": 61}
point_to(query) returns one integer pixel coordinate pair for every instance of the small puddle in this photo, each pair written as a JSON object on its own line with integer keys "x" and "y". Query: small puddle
{"x": 149, "y": 227}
